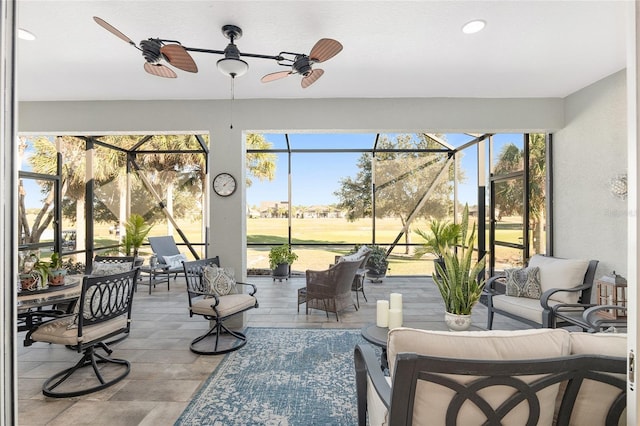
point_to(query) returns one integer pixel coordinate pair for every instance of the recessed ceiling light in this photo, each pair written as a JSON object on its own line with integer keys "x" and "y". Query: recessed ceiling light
{"x": 473, "y": 26}
{"x": 26, "y": 35}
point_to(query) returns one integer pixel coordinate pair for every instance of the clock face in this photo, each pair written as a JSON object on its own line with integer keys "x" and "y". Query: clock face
{"x": 224, "y": 184}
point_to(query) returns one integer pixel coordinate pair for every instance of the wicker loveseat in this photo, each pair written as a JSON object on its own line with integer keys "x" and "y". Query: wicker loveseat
{"x": 539, "y": 376}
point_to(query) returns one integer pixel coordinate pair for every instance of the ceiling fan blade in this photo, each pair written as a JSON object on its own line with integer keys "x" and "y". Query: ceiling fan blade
{"x": 178, "y": 57}
{"x": 113, "y": 30}
{"x": 325, "y": 49}
{"x": 275, "y": 76}
{"x": 313, "y": 76}
{"x": 159, "y": 70}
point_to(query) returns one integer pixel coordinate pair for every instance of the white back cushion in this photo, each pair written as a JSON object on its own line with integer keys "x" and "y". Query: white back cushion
{"x": 560, "y": 273}
{"x": 595, "y": 398}
{"x": 432, "y": 400}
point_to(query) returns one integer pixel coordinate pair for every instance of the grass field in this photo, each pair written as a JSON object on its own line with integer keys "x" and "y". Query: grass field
{"x": 326, "y": 238}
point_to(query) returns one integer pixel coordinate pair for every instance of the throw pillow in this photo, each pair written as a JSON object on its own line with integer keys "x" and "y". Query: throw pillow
{"x": 524, "y": 282}
{"x": 220, "y": 281}
{"x": 350, "y": 257}
{"x": 101, "y": 269}
{"x": 175, "y": 261}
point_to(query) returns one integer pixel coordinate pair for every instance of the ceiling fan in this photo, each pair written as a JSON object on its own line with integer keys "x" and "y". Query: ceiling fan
{"x": 156, "y": 51}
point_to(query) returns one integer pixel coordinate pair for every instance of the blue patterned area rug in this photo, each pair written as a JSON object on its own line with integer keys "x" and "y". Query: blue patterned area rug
{"x": 283, "y": 376}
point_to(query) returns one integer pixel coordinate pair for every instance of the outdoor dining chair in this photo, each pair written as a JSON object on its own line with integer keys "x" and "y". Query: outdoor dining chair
{"x": 104, "y": 313}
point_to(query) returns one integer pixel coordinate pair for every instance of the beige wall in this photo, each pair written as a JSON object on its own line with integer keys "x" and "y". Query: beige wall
{"x": 589, "y": 150}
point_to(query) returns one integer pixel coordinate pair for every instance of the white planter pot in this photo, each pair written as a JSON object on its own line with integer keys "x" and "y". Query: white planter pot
{"x": 457, "y": 322}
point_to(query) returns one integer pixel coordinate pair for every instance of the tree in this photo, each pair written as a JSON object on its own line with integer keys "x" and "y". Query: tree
{"x": 260, "y": 165}
{"x": 402, "y": 178}
{"x": 509, "y": 197}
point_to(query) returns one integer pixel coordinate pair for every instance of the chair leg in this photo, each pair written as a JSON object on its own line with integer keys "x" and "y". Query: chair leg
{"x": 89, "y": 358}
{"x": 489, "y": 318}
{"x": 235, "y": 339}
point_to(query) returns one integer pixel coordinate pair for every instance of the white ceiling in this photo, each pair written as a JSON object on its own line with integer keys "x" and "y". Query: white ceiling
{"x": 391, "y": 48}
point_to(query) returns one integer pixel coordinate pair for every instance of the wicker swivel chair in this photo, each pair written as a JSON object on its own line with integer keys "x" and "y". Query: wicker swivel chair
{"x": 216, "y": 309}
{"x": 330, "y": 290}
{"x": 104, "y": 313}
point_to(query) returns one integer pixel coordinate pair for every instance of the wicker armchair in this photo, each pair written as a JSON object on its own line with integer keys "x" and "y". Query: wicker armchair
{"x": 330, "y": 290}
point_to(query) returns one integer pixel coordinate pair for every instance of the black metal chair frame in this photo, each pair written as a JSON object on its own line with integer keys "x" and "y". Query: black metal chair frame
{"x": 196, "y": 289}
{"x": 410, "y": 369}
{"x": 108, "y": 297}
{"x": 495, "y": 287}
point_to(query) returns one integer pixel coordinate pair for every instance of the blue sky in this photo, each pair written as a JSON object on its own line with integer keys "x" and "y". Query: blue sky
{"x": 315, "y": 177}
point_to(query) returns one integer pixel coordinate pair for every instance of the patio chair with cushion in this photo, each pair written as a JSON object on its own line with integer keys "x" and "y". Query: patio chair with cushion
{"x": 362, "y": 254}
{"x": 536, "y": 294}
{"x": 169, "y": 257}
{"x": 104, "y": 313}
{"x": 330, "y": 290}
{"x": 107, "y": 265}
{"x": 214, "y": 294}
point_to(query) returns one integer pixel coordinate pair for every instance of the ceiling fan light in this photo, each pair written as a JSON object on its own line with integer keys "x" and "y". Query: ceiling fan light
{"x": 474, "y": 26}
{"x": 232, "y": 67}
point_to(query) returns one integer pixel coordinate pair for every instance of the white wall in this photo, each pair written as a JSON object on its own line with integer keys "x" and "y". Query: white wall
{"x": 590, "y": 222}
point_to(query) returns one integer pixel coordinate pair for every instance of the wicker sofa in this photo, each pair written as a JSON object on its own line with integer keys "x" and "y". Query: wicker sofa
{"x": 540, "y": 376}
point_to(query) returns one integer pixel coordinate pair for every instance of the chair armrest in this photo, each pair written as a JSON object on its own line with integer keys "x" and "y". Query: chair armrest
{"x": 495, "y": 285}
{"x": 254, "y": 290}
{"x": 595, "y": 322}
{"x": 367, "y": 364}
{"x": 544, "y": 299}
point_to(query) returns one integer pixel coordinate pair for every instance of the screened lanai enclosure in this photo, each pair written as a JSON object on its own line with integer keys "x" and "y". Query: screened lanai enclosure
{"x": 77, "y": 192}
{"x": 324, "y": 194}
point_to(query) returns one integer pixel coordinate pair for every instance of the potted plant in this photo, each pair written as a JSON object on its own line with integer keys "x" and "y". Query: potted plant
{"x": 441, "y": 234}
{"x": 43, "y": 270}
{"x": 136, "y": 230}
{"x": 377, "y": 264}
{"x": 280, "y": 260}
{"x": 57, "y": 270}
{"x": 460, "y": 281}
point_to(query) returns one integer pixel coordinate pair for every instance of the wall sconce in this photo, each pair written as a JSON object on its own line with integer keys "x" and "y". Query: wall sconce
{"x": 618, "y": 186}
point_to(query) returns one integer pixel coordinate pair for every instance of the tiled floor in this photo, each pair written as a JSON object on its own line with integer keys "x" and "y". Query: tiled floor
{"x": 165, "y": 373}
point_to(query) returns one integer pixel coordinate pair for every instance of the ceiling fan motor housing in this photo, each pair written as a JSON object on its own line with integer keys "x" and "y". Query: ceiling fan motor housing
{"x": 151, "y": 50}
{"x": 302, "y": 65}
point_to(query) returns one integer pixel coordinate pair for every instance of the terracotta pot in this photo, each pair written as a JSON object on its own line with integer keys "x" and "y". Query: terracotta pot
{"x": 29, "y": 282}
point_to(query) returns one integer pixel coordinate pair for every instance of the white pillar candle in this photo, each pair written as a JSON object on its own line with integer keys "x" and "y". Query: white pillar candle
{"x": 395, "y": 301}
{"x": 382, "y": 313}
{"x": 395, "y": 318}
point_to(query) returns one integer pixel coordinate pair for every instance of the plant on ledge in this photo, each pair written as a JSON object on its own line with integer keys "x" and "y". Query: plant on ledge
{"x": 377, "y": 264}
{"x": 136, "y": 230}
{"x": 460, "y": 281}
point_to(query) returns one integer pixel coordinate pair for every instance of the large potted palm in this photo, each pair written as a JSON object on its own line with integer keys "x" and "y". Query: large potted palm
{"x": 136, "y": 230}
{"x": 461, "y": 280}
{"x": 441, "y": 234}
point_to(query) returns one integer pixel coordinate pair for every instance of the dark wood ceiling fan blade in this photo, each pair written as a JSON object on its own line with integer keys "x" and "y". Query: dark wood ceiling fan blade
{"x": 311, "y": 78}
{"x": 275, "y": 76}
{"x": 178, "y": 57}
{"x": 159, "y": 70}
{"x": 113, "y": 30}
{"x": 325, "y": 49}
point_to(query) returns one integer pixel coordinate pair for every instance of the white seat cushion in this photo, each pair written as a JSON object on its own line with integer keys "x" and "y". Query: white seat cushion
{"x": 521, "y": 306}
{"x": 63, "y": 331}
{"x": 229, "y": 304}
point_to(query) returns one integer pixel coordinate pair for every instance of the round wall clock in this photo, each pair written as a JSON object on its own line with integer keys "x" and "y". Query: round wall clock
{"x": 224, "y": 184}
